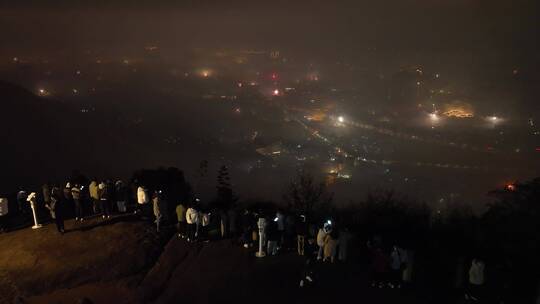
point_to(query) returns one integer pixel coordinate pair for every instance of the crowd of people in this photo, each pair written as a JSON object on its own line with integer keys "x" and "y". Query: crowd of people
{"x": 274, "y": 230}
{"x": 72, "y": 200}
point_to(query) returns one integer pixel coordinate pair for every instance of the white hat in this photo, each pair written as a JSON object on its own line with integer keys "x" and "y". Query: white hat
{"x": 68, "y": 185}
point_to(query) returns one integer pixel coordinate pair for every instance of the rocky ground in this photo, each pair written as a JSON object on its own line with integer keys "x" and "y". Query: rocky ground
{"x": 124, "y": 261}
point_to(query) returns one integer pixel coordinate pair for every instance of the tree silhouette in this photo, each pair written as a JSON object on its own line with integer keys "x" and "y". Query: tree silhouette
{"x": 225, "y": 195}
{"x": 305, "y": 195}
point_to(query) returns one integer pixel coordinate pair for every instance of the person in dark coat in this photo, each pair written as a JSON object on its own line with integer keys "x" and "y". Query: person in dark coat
{"x": 56, "y": 206}
{"x": 274, "y": 236}
{"x": 380, "y": 266}
{"x": 121, "y": 196}
{"x": 46, "y": 191}
{"x": 21, "y": 201}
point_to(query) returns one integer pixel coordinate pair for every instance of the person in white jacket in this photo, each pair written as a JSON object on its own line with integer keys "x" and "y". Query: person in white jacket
{"x": 192, "y": 219}
{"x": 476, "y": 280}
{"x": 142, "y": 199}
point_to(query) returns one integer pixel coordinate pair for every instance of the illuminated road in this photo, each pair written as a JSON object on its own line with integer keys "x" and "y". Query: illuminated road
{"x": 341, "y": 151}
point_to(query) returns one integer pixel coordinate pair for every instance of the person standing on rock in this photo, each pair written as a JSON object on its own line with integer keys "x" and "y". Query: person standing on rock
{"x": 181, "y": 216}
{"x": 192, "y": 219}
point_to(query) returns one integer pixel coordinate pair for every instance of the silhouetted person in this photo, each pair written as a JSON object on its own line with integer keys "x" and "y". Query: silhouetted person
{"x": 181, "y": 217}
{"x": 120, "y": 196}
{"x": 273, "y": 236}
{"x": 205, "y": 222}
{"x": 476, "y": 280}
{"x": 301, "y": 232}
{"x": 233, "y": 225}
{"x": 379, "y": 266}
{"x": 21, "y": 201}
{"x": 3, "y": 214}
{"x": 397, "y": 257}
{"x": 46, "y": 192}
{"x": 56, "y": 208}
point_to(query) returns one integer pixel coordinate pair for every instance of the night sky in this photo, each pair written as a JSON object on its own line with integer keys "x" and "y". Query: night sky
{"x": 315, "y": 26}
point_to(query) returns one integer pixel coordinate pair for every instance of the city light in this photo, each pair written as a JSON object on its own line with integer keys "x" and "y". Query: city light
{"x": 341, "y": 119}
{"x": 43, "y": 92}
{"x": 275, "y": 92}
{"x": 433, "y": 116}
{"x": 205, "y": 73}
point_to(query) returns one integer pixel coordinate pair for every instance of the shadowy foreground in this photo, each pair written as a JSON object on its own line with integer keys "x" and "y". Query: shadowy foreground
{"x": 124, "y": 261}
